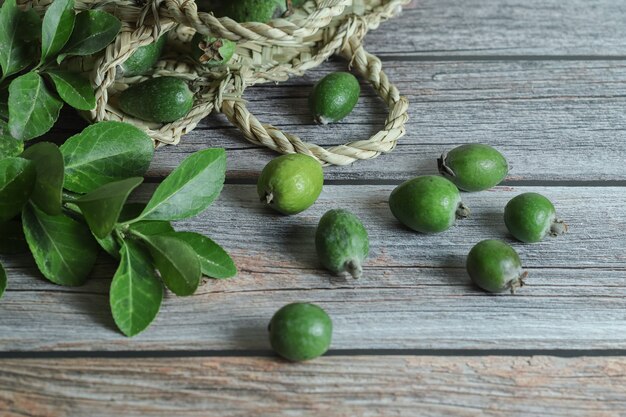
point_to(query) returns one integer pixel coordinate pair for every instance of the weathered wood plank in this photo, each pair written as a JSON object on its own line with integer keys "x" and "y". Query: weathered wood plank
{"x": 340, "y": 386}
{"x": 555, "y": 121}
{"x": 504, "y": 27}
{"x": 415, "y": 293}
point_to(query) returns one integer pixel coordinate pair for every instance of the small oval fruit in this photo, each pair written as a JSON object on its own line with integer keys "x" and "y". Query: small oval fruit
{"x": 427, "y": 204}
{"x": 531, "y": 216}
{"x": 251, "y": 10}
{"x": 334, "y": 97}
{"x": 495, "y": 266}
{"x": 211, "y": 51}
{"x": 291, "y": 183}
{"x": 161, "y": 100}
{"x": 300, "y": 331}
{"x": 143, "y": 59}
{"x": 341, "y": 242}
{"x": 473, "y": 167}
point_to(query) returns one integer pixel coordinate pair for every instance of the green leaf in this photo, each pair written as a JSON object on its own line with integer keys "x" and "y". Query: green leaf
{"x": 63, "y": 248}
{"x": 177, "y": 263}
{"x": 8, "y": 145}
{"x": 152, "y": 227}
{"x": 105, "y": 152}
{"x": 3, "y": 281}
{"x": 74, "y": 89}
{"x": 17, "y": 179}
{"x": 12, "y": 238}
{"x": 93, "y": 31}
{"x": 32, "y": 109}
{"x": 214, "y": 261}
{"x": 102, "y": 206}
{"x": 49, "y": 165}
{"x": 4, "y": 104}
{"x": 16, "y": 52}
{"x": 190, "y": 188}
{"x": 110, "y": 245}
{"x": 136, "y": 292}
{"x": 58, "y": 23}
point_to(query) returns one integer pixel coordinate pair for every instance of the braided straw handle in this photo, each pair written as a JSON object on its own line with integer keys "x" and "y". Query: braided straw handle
{"x": 367, "y": 66}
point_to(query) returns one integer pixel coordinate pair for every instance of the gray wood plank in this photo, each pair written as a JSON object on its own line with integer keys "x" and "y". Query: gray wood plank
{"x": 414, "y": 295}
{"x": 445, "y": 28}
{"x": 555, "y": 121}
{"x": 340, "y": 386}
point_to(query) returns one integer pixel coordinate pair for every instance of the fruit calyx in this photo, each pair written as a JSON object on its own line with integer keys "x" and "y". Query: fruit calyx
{"x": 558, "y": 227}
{"x": 211, "y": 51}
{"x": 268, "y": 198}
{"x": 354, "y": 268}
{"x": 463, "y": 212}
{"x": 518, "y": 282}
{"x": 444, "y": 169}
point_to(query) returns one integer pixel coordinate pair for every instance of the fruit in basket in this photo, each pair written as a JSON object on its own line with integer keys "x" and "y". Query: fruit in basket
{"x": 300, "y": 331}
{"x": 143, "y": 59}
{"x": 495, "y": 266}
{"x": 341, "y": 242}
{"x": 251, "y": 10}
{"x": 161, "y": 100}
{"x": 427, "y": 204}
{"x": 473, "y": 167}
{"x": 211, "y": 51}
{"x": 291, "y": 183}
{"x": 334, "y": 97}
{"x": 531, "y": 216}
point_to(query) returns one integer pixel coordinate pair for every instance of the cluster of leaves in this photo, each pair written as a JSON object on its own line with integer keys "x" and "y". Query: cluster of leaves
{"x": 31, "y": 50}
{"x": 73, "y": 200}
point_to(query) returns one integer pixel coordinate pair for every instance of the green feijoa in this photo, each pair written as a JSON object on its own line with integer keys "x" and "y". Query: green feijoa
{"x": 334, "y": 97}
{"x": 300, "y": 331}
{"x": 341, "y": 242}
{"x": 143, "y": 59}
{"x": 427, "y": 204}
{"x": 531, "y": 216}
{"x": 251, "y": 10}
{"x": 473, "y": 167}
{"x": 291, "y": 183}
{"x": 211, "y": 51}
{"x": 161, "y": 100}
{"x": 495, "y": 266}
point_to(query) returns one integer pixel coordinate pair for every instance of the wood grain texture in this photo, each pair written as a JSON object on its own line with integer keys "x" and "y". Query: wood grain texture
{"x": 554, "y": 120}
{"x": 414, "y": 294}
{"x": 339, "y": 386}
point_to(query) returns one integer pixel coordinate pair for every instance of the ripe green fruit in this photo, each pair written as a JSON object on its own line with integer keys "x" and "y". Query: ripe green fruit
{"x": 252, "y": 10}
{"x": 495, "y": 266}
{"x": 427, "y": 204}
{"x": 143, "y": 59}
{"x": 291, "y": 183}
{"x": 334, "y": 97}
{"x": 531, "y": 216}
{"x": 211, "y": 51}
{"x": 341, "y": 242}
{"x": 300, "y": 331}
{"x": 473, "y": 167}
{"x": 162, "y": 100}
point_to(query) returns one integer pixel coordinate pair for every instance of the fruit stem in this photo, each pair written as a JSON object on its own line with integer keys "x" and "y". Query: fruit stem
{"x": 518, "y": 282}
{"x": 558, "y": 227}
{"x": 462, "y": 211}
{"x": 354, "y": 268}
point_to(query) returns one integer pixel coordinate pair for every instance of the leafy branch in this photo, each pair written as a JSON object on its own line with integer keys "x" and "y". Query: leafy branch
{"x": 73, "y": 199}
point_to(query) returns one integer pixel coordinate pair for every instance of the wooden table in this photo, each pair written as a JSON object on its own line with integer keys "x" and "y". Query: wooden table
{"x": 543, "y": 81}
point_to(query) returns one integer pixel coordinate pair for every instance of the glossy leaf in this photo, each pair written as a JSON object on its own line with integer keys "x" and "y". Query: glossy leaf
{"x": 58, "y": 23}
{"x": 63, "y": 248}
{"x": 16, "y": 32}
{"x": 136, "y": 292}
{"x": 214, "y": 261}
{"x": 177, "y": 263}
{"x": 8, "y": 145}
{"x": 32, "y": 109}
{"x": 3, "y": 280}
{"x": 12, "y": 238}
{"x": 190, "y": 188}
{"x": 111, "y": 243}
{"x": 17, "y": 179}
{"x": 49, "y": 165}
{"x": 74, "y": 89}
{"x": 102, "y": 206}
{"x": 93, "y": 31}
{"x": 105, "y": 152}
{"x": 152, "y": 227}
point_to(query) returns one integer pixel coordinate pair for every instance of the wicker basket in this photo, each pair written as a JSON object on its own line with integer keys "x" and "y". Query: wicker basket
{"x": 265, "y": 53}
